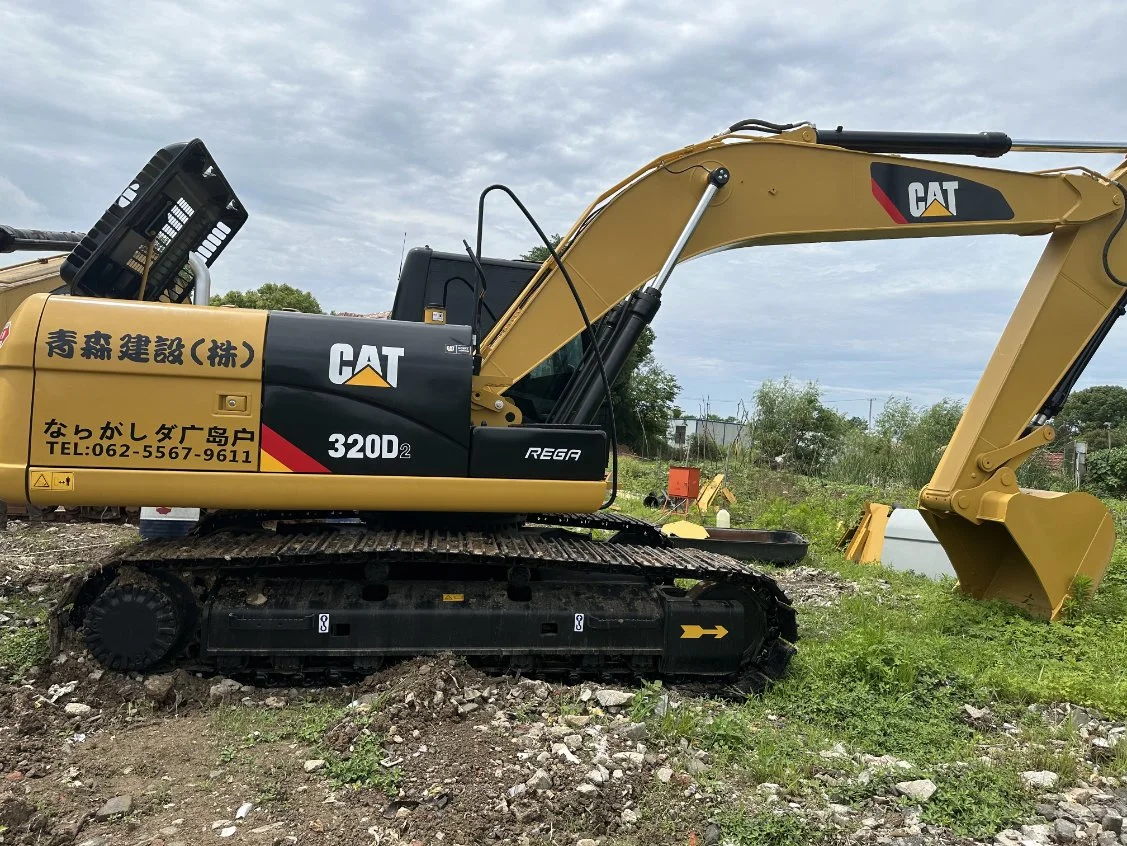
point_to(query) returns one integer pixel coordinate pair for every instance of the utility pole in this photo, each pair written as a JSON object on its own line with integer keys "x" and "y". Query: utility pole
{"x": 870, "y": 426}
{"x": 1108, "y": 427}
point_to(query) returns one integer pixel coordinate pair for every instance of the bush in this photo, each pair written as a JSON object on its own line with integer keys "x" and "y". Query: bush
{"x": 1107, "y": 472}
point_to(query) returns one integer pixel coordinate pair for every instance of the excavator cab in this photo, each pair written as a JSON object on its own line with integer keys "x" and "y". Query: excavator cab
{"x": 444, "y": 283}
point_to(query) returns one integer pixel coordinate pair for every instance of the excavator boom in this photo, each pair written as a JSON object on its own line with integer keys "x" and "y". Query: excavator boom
{"x": 1026, "y": 547}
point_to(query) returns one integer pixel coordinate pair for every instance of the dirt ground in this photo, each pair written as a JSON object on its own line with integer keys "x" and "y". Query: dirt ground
{"x": 427, "y": 752}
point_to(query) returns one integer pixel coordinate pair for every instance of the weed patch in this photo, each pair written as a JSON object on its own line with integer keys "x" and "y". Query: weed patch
{"x": 362, "y": 767}
{"x": 766, "y": 828}
{"x": 23, "y": 648}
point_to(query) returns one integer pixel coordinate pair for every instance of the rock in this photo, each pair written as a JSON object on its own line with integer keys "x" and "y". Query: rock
{"x": 77, "y": 709}
{"x": 118, "y": 806}
{"x": 94, "y": 841}
{"x": 565, "y": 753}
{"x": 1107, "y": 838}
{"x": 228, "y": 831}
{"x": 525, "y": 813}
{"x": 1073, "y": 809}
{"x": 1039, "y": 779}
{"x": 587, "y": 789}
{"x": 518, "y": 790}
{"x": 470, "y": 694}
{"x": 586, "y": 841}
{"x": 275, "y": 702}
{"x": 576, "y": 720}
{"x": 664, "y": 774}
{"x": 976, "y": 714}
{"x": 244, "y": 809}
{"x": 695, "y": 766}
{"x": 613, "y": 698}
{"x": 223, "y": 689}
{"x": 629, "y": 816}
{"x": 574, "y": 742}
{"x": 919, "y": 790}
{"x": 468, "y": 708}
{"x": 635, "y": 758}
{"x": 1100, "y": 750}
{"x": 313, "y": 765}
{"x": 636, "y": 731}
{"x": 1112, "y": 822}
{"x": 256, "y": 599}
{"x": 1065, "y": 831}
{"x": 1048, "y": 810}
{"x": 1041, "y": 833}
{"x": 585, "y": 695}
{"x": 158, "y": 687}
{"x": 540, "y": 780}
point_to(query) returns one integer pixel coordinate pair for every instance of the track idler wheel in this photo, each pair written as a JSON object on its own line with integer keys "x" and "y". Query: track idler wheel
{"x": 132, "y": 627}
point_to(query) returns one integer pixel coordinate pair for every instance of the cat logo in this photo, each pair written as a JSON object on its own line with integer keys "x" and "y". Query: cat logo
{"x": 923, "y": 197}
{"x": 370, "y": 367}
{"x": 935, "y": 199}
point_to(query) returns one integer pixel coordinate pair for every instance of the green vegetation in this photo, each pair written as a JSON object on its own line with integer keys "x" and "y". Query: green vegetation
{"x": 768, "y": 828}
{"x": 270, "y": 296}
{"x": 359, "y": 766}
{"x": 362, "y": 767}
{"x": 22, "y": 648}
{"x": 888, "y": 670}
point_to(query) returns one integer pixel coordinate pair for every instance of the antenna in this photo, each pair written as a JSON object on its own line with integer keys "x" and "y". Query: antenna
{"x": 402, "y": 253}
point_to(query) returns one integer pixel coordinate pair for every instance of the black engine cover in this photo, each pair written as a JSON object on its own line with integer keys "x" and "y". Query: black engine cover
{"x": 357, "y": 396}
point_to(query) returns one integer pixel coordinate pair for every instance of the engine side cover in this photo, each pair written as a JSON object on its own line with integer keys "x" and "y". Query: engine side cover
{"x": 365, "y": 397}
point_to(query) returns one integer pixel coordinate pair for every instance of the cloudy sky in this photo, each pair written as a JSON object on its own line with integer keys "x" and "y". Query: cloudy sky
{"x": 345, "y": 125}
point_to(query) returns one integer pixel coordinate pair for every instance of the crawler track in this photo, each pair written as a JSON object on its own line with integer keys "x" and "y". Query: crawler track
{"x": 245, "y": 599}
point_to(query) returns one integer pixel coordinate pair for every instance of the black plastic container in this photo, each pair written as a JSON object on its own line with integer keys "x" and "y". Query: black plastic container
{"x": 769, "y": 547}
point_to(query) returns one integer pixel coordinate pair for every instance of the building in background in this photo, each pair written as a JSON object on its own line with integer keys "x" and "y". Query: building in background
{"x": 683, "y": 430}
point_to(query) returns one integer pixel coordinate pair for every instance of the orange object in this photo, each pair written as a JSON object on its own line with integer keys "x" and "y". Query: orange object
{"x": 684, "y": 482}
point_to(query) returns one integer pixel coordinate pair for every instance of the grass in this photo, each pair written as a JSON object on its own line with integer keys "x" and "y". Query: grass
{"x": 362, "y": 767}
{"x": 887, "y": 672}
{"x": 769, "y": 828}
{"x": 23, "y": 648}
{"x": 359, "y": 767}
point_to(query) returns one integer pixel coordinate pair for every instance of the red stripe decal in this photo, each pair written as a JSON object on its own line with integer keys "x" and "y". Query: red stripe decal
{"x": 882, "y": 198}
{"x": 289, "y": 455}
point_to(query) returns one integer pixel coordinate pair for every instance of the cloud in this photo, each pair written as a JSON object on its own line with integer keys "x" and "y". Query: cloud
{"x": 344, "y": 125}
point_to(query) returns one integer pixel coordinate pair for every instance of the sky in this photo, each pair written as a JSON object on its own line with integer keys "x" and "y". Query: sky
{"x": 351, "y": 129}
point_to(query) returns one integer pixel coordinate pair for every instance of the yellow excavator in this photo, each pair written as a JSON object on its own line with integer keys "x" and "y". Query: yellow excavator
{"x": 377, "y": 489}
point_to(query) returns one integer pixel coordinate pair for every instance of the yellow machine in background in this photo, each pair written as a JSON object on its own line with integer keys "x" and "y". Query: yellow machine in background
{"x": 20, "y": 281}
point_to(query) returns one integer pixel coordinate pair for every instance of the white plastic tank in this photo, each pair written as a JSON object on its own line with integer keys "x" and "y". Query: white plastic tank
{"x": 723, "y": 519}
{"x": 910, "y": 546}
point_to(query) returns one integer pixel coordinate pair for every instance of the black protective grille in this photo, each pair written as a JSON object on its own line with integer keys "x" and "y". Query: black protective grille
{"x": 180, "y": 202}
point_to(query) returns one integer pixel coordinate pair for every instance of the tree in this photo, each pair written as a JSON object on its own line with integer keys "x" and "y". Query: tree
{"x": 1094, "y": 407}
{"x": 541, "y": 253}
{"x": 903, "y": 446}
{"x": 271, "y": 296}
{"x": 792, "y": 428}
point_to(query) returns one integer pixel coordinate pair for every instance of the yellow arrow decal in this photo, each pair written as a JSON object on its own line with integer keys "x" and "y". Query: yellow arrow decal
{"x": 693, "y": 632}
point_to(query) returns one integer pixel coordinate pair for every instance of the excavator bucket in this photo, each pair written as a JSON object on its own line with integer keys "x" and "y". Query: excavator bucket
{"x": 1029, "y": 547}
